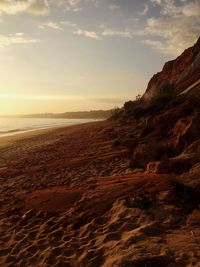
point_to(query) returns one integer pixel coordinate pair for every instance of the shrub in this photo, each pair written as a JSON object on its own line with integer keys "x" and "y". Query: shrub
{"x": 116, "y": 112}
{"x": 165, "y": 95}
{"x": 163, "y": 98}
{"x": 129, "y": 105}
{"x": 134, "y": 109}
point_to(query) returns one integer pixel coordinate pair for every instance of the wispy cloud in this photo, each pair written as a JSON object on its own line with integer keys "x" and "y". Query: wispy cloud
{"x": 174, "y": 39}
{"x": 52, "y": 25}
{"x": 72, "y": 5}
{"x": 17, "y": 38}
{"x": 120, "y": 33}
{"x": 145, "y": 10}
{"x": 68, "y": 23}
{"x": 34, "y": 7}
{"x": 13, "y": 7}
{"x": 156, "y": 2}
{"x": 177, "y": 28}
{"x": 114, "y": 7}
{"x": 90, "y": 34}
{"x": 108, "y": 32}
{"x": 170, "y": 7}
{"x": 123, "y": 33}
{"x": 60, "y": 26}
{"x": 38, "y": 7}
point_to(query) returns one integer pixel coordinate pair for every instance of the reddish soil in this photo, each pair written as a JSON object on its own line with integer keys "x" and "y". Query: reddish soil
{"x": 69, "y": 198}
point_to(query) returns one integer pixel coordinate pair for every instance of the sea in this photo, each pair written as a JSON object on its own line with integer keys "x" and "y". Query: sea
{"x": 11, "y": 126}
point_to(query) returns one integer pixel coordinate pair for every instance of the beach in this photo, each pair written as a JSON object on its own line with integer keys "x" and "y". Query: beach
{"x": 68, "y": 197}
{"x": 10, "y": 126}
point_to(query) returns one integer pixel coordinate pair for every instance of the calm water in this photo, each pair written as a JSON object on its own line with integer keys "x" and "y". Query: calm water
{"x": 10, "y": 126}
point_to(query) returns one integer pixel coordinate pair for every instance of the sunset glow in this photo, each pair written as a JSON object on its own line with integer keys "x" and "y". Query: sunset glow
{"x": 87, "y": 54}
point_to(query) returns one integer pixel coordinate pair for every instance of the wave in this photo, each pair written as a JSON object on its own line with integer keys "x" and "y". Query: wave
{"x": 11, "y": 131}
{"x": 15, "y": 131}
{"x": 15, "y": 125}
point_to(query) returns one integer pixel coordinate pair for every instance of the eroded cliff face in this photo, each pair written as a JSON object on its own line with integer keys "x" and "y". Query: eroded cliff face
{"x": 164, "y": 128}
{"x": 180, "y": 73}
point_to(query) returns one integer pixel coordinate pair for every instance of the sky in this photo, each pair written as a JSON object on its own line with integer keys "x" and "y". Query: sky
{"x": 70, "y": 55}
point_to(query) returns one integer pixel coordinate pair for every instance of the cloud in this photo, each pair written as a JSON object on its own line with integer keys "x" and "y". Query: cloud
{"x": 156, "y": 45}
{"x": 173, "y": 40}
{"x": 112, "y": 32}
{"x": 52, "y": 25}
{"x": 183, "y": 8}
{"x": 145, "y": 10}
{"x": 114, "y": 7}
{"x": 12, "y": 7}
{"x": 177, "y": 28}
{"x": 90, "y": 34}
{"x": 156, "y": 2}
{"x": 126, "y": 33}
{"x": 38, "y": 7}
{"x": 17, "y": 38}
{"x": 191, "y": 9}
{"x": 34, "y": 7}
{"x": 68, "y": 23}
{"x": 69, "y": 5}
{"x": 73, "y": 5}
{"x": 57, "y": 25}
{"x": 107, "y": 32}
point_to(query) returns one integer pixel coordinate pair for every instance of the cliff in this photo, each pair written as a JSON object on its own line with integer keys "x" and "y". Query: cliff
{"x": 180, "y": 73}
{"x": 165, "y": 123}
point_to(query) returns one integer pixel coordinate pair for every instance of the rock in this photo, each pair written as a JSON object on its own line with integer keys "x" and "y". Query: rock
{"x": 164, "y": 196}
{"x": 152, "y": 229}
{"x": 156, "y": 261}
{"x": 158, "y": 167}
{"x": 194, "y": 219}
{"x": 127, "y": 171}
{"x": 180, "y": 73}
{"x": 174, "y": 264}
{"x": 28, "y": 214}
{"x": 174, "y": 220}
{"x": 195, "y": 168}
{"x": 138, "y": 170}
{"x": 185, "y": 131}
{"x": 143, "y": 154}
{"x": 177, "y": 165}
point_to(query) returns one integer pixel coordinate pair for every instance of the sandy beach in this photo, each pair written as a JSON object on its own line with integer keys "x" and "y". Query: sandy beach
{"x": 100, "y": 133}
{"x": 69, "y": 198}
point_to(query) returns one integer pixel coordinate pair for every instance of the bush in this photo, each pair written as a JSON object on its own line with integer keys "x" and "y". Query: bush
{"x": 163, "y": 98}
{"x": 165, "y": 95}
{"x": 137, "y": 109}
{"x": 129, "y": 105}
{"x": 134, "y": 109}
{"x": 116, "y": 112}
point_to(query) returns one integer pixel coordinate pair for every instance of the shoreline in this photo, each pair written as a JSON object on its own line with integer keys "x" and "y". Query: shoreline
{"x": 37, "y": 132}
{"x": 14, "y": 132}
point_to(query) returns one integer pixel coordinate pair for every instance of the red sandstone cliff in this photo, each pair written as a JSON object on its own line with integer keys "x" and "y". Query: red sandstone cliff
{"x": 164, "y": 132}
{"x": 181, "y": 73}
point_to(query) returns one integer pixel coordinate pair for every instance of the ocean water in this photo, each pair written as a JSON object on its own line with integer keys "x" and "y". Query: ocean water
{"x": 11, "y": 126}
